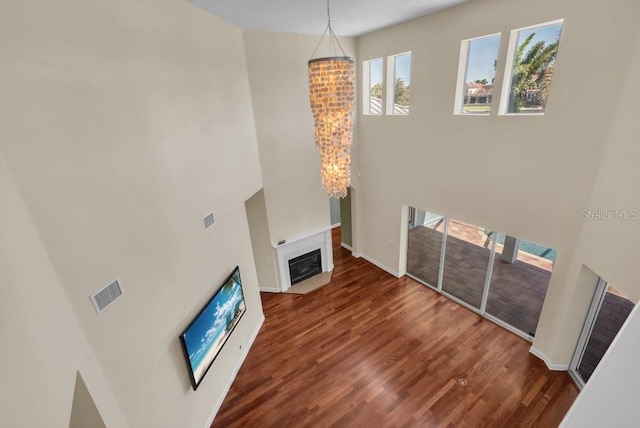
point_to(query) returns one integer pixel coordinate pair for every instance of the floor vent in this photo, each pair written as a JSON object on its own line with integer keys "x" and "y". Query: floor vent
{"x": 106, "y": 296}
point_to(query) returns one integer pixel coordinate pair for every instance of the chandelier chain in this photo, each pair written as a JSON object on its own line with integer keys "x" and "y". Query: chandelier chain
{"x": 333, "y": 39}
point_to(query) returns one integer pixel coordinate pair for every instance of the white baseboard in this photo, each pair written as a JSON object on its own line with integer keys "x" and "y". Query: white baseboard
{"x": 380, "y": 265}
{"x": 547, "y": 361}
{"x": 338, "y": 224}
{"x": 343, "y": 245}
{"x": 227, "y": 387}
{"x": 270, "y": 289}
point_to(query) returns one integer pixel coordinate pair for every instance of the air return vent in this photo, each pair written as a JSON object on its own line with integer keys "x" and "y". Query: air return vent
{"x": 106, "y": 296}
{"x": 208, "y": 221}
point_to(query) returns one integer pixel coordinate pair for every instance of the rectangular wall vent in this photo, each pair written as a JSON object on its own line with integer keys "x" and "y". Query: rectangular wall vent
{"x": 208, "y": 221}
{"x": 106, "y": 296}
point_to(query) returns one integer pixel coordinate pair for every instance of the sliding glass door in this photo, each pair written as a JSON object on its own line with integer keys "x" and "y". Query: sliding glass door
{"x": 425, "y": 246}
{"x": 465, "y": 262}
{"x": 609, "y": 310}
{"x": 501, "y": 277}
{"x": 520, "y": 276}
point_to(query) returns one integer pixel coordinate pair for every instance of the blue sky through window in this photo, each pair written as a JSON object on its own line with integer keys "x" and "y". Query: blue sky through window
{"x": 403, "y": 68}
{"x": 482, "y": 55}
{"x": 483, "y": 52}
{"x": 547, "y": 34}
{"x": 375, "y": 70}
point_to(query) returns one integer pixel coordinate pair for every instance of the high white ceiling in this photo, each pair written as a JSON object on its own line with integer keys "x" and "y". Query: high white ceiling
{"x": 348, "y": 17}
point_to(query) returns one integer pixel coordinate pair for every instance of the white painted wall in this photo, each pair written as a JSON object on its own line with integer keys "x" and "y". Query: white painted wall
{"x": 43, "y": 344}
{"x": 608, "y": 247}
{"x": 277, "y": 62}
{"x": 612, "y": 247}
{"x": 123, "y": 124}
{"x": 261, "y": 242}
{"x": 525, "y": 176}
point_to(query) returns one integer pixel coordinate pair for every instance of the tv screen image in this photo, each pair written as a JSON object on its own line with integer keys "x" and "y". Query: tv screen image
{"x": 203, "y": 339}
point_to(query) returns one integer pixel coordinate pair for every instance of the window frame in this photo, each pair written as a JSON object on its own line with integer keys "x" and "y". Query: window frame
{"x": 463, "y": 63}
{"x": 366, "y": 86}
{"x": 508, "y": 69}
{"x": 390, "y": 84}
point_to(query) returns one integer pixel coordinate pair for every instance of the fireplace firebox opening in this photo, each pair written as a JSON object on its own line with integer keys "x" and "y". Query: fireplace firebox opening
{"x": 305, "y": 266}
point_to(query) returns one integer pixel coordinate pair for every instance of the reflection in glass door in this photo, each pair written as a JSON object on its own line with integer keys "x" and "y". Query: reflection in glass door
{"x": 425, "y": 246}
{"x": 501, "y": 277}
{"x": 609, "y": 310}
{"x": 519, "y": 280}
{"x": 465, "y": 262}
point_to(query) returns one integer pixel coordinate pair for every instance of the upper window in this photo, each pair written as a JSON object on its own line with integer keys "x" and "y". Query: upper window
{"x": 398, "y": 83}
{"x": 530, "y": 63}
{"x": 372, "y": 86}
{"x": 476, "y": 75}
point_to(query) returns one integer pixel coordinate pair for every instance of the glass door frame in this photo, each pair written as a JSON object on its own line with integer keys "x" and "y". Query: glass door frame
{"x": 587, "y": 328}
{"x": 487, "y": 282}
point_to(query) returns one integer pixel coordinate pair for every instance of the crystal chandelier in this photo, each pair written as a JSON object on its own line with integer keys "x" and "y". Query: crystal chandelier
{"x": 331, "y": 92}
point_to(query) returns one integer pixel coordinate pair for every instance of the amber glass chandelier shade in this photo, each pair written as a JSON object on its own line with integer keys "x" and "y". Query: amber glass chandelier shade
{"x": 332, "y": 94}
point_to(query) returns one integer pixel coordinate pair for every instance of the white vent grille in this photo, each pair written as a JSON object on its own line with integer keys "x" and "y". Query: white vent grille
{"x": 106, "y": 296}
{"x": 208, "y": 221}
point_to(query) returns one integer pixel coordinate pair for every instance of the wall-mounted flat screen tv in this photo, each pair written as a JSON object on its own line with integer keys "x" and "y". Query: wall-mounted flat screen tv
{"x": 203, "y": 339}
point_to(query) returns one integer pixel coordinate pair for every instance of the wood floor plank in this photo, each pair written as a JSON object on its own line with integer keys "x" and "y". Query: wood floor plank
{"x": 372, "y": 350}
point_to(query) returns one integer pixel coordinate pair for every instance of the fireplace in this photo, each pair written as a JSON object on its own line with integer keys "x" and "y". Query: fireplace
{"x": 305, "y": 266}
{"x": 301, "y": 246}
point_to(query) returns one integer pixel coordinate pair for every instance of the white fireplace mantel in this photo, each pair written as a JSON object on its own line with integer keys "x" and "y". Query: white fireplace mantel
{"x": 289, "y": 250}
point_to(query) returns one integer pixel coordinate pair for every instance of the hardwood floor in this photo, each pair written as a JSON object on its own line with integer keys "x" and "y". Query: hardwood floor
{"x": 372, "y": 350}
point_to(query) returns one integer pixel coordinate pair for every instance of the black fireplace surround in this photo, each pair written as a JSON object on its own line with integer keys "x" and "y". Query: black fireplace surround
{"x": 305, "y": 266}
